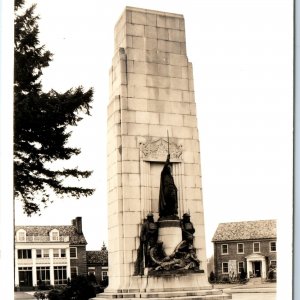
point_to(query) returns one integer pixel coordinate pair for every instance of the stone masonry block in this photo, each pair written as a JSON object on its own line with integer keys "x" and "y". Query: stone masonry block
{"x": 138, "y": 42}
{"x": 151, "y": 32}
{"x": 135, "y": 54}
{"x": 164, "y": 94}
{"x": 156, "y": 130}
{"x": 128, "y": 116}
{"x": 153, "y": 56}
{"x": 178, "y": 60}
{"x": 179, "y": 107}
{"x": 172, "y": 22}
{"x": 137, "y": 104}
{"x": 127, "y": 259}
{"x": 132, "y": 205}
{"x": 151, "y": 19}
{"x": 180, "y": 83}
{"x": 131, "y": 167}
{"x": 153, "y": 93}
{"x": 161, "y": 21}
{"x": 175, "y": 71}
{"x": 162, "y": 34}
{"x": 167, "y": 46}
{"x": 193, "y": 109}
{"x": 190, "y": 121}
{"x": 131, "y": 217}
{"x": 171, "y": 119}
{"x": 176, "y": 35}
{"x": 140, "y": 92}
{"x": 184, "y": 72}
{"x": 140, "y": 129}
{"x": 138, "y": 18}
{"x": 151, "y": 69}
{"x": 158, "y": 81}
{"x": 151, "y": 44}
{"x": 147, "y": 117}
{"x": 191, "y": 85}
{"x": 136, "y": 79}
{"x": 157, "y": 106}
{"x": 129, "y": 66}
{"x": 131, "y": 231}
{"x": 183, "y": 133}
{"x": 162, "y": 70}
{"x": 130, "y": 154}
{"x": 129, "y": 141}
{"x": 135, "y": 29}
{"x": 183, "y": 48}
{"x": 139, "y": 67}
{"x": 175, "y": 95}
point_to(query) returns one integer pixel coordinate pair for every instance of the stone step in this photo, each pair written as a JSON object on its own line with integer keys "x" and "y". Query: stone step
{"x": 178, "y": 295}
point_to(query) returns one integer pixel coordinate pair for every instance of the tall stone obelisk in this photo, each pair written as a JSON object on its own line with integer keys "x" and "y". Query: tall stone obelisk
{"x": 151, "y": 92}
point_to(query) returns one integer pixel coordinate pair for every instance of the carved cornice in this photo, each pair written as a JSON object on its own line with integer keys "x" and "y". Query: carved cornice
{"x": 157, "y": 150}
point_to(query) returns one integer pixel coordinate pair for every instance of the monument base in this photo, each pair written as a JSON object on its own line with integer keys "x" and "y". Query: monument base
{"x": 189, "y": 286}
{"x": 169, "y": 232}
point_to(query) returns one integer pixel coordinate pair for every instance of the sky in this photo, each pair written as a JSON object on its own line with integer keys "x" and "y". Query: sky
{"x": 242, "y": 56}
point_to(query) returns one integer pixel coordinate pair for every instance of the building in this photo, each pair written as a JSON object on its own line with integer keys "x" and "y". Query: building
{"x": 49, "y": 255}
{"x": 247, "y": 245}
{"x": 97, "y": 264}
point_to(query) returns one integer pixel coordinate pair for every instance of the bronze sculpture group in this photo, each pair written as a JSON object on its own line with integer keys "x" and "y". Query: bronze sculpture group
{"x": 151, "y": 253}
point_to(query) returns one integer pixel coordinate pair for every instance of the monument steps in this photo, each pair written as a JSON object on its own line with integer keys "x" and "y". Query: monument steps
{"x": 178, "y": 295}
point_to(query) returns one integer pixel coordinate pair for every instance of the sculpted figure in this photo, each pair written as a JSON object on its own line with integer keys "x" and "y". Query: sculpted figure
{"x": 149, "y": 234}
{"x": 168, "y": 201}
{"x": 187, "y": 228}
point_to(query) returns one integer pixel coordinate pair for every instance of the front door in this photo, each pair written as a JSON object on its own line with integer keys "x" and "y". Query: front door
{"x": 25, "y": 276}
{"x": 257, "y": 268}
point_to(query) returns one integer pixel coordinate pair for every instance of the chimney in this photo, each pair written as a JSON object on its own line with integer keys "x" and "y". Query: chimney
{"x": 78, "y": 224}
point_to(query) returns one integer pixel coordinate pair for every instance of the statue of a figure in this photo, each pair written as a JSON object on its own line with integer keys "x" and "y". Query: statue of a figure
{"x": 149, "y": 234}
{"x": 187, "y": 228}
{"x": 168, "y": 201}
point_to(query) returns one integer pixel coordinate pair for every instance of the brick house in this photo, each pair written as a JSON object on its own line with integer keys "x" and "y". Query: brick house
{"x": 249, "y": 245}
{"x": 97, "y": 264}
{"x": 49, "y": 255}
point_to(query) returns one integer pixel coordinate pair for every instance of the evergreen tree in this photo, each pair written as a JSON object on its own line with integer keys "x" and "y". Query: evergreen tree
{"x": 42, "y": 121}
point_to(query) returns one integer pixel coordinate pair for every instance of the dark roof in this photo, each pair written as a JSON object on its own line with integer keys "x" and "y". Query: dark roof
{"x": 65, "y": 230}
{"x": 97, "y": 257}
{"x": 247, "y": 230}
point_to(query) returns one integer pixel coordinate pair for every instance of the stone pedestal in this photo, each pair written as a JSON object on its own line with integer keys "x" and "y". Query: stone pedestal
{"x": 169, "y": 232}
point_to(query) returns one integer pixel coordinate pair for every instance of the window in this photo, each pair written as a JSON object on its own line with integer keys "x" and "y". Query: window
{"x": 46, "y": 252}
{"x": 74, "y": 272}
{"x": 273, "y": 264}
{"x": 42, "y": 253}
{"x": 38, "y": 253}
{"x": 54, "y": 235}
{"x": 43, "y": 275}
{"x": 73, "y": 252}
{"x": 62, "y": 252}
{"x": 24, "y": 253}
{"x": 21, "y": 235}
{"x": 256, "y": 247}
{"x": 104, "y": 275}
{"x": 224, "y": 249}
{"x": 55, "y": 252}
{"x": 240, "y": 266}
{"x": 272, "y": 246}
{"x": 240, "y": 248}
{"x": 60, "y": 275}
{"x": 225, "y": 267}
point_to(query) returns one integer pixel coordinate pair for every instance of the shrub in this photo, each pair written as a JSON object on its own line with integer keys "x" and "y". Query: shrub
{"x": 40, "y": 295}
{"x": 212, "y": 277}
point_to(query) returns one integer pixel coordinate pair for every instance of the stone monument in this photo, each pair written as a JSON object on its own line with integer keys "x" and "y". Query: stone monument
{"x": 156, "y": 225}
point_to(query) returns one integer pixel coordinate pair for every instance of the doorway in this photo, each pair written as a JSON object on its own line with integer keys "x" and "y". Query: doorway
{"x": 257, "y": 268}
{"x": 25, "y": 276}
